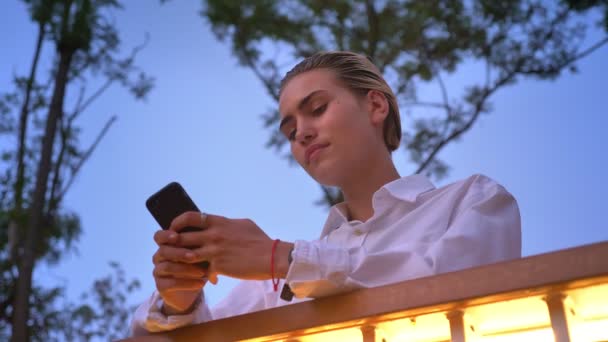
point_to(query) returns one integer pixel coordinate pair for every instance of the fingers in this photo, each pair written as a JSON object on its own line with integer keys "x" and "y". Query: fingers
{"x": 172, "y": 253}
{"x": 163, "y": 237}
{"x": 200, "y": 238}
{"x": 184, "y": 255}
{"x": 182, "y": 262}
{"x": 164, "y": 284}
{"x": 180, "y": 250}
{"x": 187, "y": 239}
{"x": 196, "y": 220}
{"x": 191, "y": 219}
{"x": 169, "y": 269}
{"x": 203, "y": 253}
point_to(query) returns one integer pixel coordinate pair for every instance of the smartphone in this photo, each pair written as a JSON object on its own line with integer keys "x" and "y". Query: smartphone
{"x": 170, "y": 202}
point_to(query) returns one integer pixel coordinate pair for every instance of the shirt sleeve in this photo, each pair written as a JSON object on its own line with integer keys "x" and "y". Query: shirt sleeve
{"x": 247, "y": 296}
{"x": 149, "y": 318}
{"x": 484, "y": 228}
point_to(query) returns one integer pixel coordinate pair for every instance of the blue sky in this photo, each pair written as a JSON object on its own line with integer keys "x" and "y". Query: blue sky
{"x": 544, "y": 141}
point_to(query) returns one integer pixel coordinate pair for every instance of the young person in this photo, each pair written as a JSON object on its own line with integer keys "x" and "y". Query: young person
{"x": 342, "y": 121}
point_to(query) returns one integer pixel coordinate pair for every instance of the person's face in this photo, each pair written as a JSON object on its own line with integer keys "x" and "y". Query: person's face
{"x": 332, "y": 132}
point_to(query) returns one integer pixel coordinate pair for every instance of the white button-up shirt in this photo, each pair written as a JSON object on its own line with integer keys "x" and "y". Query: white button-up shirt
{"x": 416, "y": 231}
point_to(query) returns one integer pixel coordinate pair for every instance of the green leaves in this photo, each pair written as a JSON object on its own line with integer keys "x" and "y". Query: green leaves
{"x": 413, "y": 41}
{"x": 88, "y": 45}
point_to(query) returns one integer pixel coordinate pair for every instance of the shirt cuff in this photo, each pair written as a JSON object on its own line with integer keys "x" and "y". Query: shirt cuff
{"x": 150, "y": 318}
{"x": 317, "y": 270}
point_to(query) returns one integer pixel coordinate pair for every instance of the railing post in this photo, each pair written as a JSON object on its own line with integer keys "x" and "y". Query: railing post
{"x": 371, "y": 334}
{"x": 561, "y": 314}
{"x": 461, "y": 329}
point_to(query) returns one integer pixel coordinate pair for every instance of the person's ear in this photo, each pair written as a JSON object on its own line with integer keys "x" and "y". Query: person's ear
{"x": 378, "y": 107}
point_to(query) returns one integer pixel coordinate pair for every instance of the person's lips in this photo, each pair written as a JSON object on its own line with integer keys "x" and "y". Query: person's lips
{"x": 313, "y": 149}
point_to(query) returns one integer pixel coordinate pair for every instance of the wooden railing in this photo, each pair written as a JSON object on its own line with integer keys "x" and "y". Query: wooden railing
{"x": 561, "y": 296}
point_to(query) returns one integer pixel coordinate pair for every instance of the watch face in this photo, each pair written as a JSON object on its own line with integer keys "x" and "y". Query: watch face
{"x": 286, "y": 293}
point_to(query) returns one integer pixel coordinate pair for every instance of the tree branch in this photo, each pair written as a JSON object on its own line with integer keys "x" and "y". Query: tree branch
{"x": 488, "y": 73}
{"x": 589, "y": 50}
{"x": 329, "y": 197}
{"x": 53, "y": 203}
{"x": 81, "y": 93}
{"x": 267, "y": 83}
{"x": 571, "y": 60}
{"x": 86, "y": 156}
{"x": 426, "y": 104}
{"x": 19, "y": 185}
{"x": 23, "y": 119}
{"x": 82, "y": 105}
{"x": 507, "y": 78}
{"x": 444, "y": 95}
{"x": 105, "y": 50}
{"x": 467, "y": 126}
{"x": 80, "y": 108}
{"x": 372, "y": 20}
{"x": 339, "y": 34}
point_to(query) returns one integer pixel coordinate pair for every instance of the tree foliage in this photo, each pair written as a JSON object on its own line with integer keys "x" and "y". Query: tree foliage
{"x": 100, "y": 314}
{"x": 416, "y": 44}
{"x": 39, "y": 118}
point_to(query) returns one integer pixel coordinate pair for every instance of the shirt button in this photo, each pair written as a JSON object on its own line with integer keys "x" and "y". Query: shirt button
{"x": 358, "y": 232}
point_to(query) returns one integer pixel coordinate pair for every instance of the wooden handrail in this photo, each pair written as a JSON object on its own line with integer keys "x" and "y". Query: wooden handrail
{"x": 535, "y": 275}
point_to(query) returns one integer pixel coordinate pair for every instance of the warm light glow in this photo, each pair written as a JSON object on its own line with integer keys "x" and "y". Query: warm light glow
{"x": 522, "y": 320}
{"x": 538, "y": 335}
{"x": 510, "y": 316}
{"x": 352, "y": 334}
{"x": 596, "y": 330}
{"x": 432, "y": 327}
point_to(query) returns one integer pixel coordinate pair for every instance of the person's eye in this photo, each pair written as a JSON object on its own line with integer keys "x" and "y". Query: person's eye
{"x": 291, "y": 135}
{"x": 319, "y": 110}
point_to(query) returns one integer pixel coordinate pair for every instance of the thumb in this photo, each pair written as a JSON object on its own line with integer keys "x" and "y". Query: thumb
{"x": 212, "y": 274}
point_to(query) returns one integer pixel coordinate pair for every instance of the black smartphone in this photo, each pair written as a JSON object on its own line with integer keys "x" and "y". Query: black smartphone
{"x": 170, "y": 202}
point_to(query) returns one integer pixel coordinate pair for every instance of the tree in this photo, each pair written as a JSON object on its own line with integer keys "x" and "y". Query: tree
{"x": 100, "y": 314}
{"x": 414, "y": 43}
{"x": 103, "y": 313}
{"x": 38, "y": 172}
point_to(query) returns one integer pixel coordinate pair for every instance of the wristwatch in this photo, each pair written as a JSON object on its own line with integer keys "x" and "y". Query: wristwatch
{"x": 290, "y": 256}
{"x": 286, "y": 293}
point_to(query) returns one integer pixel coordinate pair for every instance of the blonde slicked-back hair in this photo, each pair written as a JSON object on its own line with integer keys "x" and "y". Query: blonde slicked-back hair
{"x": 360, "y": 75}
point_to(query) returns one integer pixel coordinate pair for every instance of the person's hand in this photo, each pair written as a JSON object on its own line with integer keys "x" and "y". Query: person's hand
{"x": 236, "y": 248}
{"x": 179, "y": 284}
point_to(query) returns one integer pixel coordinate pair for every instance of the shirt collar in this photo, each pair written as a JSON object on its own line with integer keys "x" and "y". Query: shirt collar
{"x": 405, "y": 189}
{"x": 335, "y": 219}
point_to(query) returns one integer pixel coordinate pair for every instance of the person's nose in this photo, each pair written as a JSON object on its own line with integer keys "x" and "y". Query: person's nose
{"x": 305, "y": 134}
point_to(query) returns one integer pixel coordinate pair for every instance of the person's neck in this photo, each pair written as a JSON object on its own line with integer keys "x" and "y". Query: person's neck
{"x": 358, "y": 193}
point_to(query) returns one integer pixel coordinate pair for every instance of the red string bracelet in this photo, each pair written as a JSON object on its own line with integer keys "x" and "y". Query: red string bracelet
{"x": 275, "y": 282}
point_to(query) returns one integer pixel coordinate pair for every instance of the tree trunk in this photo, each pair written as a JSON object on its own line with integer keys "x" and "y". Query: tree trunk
{"x": 26, "y": 266}
{"x": 16, "y": 219}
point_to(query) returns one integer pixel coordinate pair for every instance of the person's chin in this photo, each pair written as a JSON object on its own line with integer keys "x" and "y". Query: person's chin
{"x": 325, "y": 169}
{"x": 324, "y": 173}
